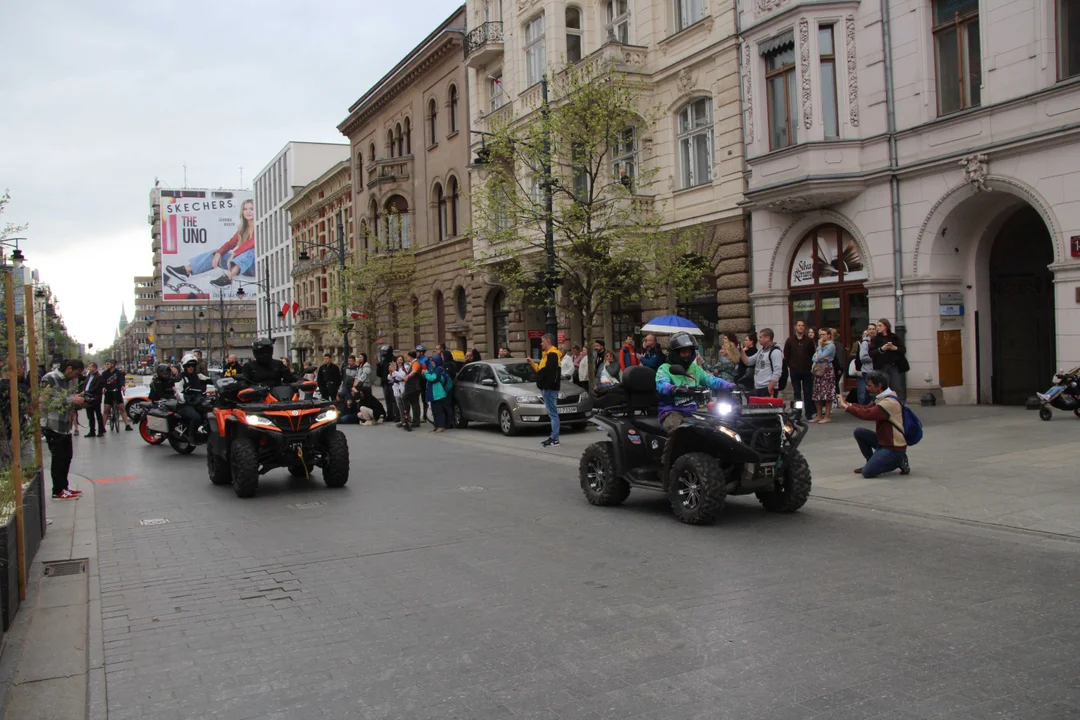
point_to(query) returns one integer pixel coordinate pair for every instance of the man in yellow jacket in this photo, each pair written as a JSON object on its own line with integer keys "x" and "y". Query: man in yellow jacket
{"x": 548, "y": 379}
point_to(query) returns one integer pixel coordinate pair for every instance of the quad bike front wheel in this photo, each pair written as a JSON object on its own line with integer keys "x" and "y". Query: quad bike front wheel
{"x": 598, "y": 480}
{"x": 792, "y": 491}
{"x": 217, "y": 468}
{"x": 696, "y": 489}
{"x": 244, "y": 463}
{"x": 336, "y": 470}
{"x": 1045, "y": 413}
{"x": 152, "y": 438}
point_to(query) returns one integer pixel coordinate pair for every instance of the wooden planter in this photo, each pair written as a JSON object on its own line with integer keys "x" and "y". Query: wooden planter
{"x": 33, "y": 526}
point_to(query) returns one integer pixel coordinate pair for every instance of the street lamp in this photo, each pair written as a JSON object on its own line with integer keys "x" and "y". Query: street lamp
{"x": 344, "y": 325}
{"x": 265, "y": 287}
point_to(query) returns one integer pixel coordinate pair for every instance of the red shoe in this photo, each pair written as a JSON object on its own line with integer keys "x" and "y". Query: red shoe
{"x": 73, "y": 491}
{"x": 66, "y": 495}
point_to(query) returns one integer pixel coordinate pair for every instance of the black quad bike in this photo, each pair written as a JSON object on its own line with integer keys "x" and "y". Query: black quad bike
{"x": 160, "y": 420}
{"x": 735, "y": 446}
{"x": 255, "y": 429}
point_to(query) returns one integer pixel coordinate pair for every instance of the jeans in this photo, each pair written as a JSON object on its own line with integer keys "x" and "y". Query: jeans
{"x": 61, "y": 450}
{"x": 440, "y": 413}
{"x": 802, "y": 384}
{"x": 203, "y": 263}
{"x": 551, "y": 402}
{"x": 864, "y": 396}
{"x": 879, "y": 460}
{"x": 246, "y": 262}
{"x": 93, "y": 413}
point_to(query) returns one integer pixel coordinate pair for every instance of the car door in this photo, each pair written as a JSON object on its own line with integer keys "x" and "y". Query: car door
{"x": 487, "y": 396}
{"x": 465, "y": 391}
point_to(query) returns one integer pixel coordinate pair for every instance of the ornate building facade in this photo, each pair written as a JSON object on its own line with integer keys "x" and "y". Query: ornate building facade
{"x": 920, "y": 166}
{"x": 685, "y": 52}
{"x": 409, "y": 139}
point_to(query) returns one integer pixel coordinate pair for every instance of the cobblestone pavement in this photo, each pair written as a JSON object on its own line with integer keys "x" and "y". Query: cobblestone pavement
{"x": 450, "y": 580}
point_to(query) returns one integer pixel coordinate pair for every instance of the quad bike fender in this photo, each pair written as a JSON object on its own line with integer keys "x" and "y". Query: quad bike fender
{"x": 690, "y": 438}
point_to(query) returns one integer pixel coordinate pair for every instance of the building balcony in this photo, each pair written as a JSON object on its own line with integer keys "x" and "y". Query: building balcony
{"x": 484, "y": 44}
{"x": 310, "y": 315}
{"x": 389, "y": 170}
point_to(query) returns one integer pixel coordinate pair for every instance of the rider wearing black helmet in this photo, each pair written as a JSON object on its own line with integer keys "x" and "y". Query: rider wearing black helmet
{"x": 676, "y": 401}
{"x": 161, "y": 387}
{"x": 264, "y": 369}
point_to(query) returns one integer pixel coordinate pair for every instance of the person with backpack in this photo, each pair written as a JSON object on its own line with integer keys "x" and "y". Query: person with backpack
{"x": 438, "y": 390}
{"x": 768, "y": 365}
{"x": 895, "y": 428}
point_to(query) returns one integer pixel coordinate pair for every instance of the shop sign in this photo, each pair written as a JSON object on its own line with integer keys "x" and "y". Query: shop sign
{"x": 536, "y": 334}
{"x": 1074, "y": 245}
{"x": 950, "y": 310}
{"x": 562, "y": 337}
{"x": 830, "y": 303}
{"x": 951, "y": 298}
{"x": 802, "y": 306}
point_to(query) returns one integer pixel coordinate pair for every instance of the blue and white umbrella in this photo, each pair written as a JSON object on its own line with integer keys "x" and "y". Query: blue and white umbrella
{"x": 670, "y": 324}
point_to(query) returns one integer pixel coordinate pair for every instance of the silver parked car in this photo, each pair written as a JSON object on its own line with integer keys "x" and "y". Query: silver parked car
{"x": 504, "y": 392}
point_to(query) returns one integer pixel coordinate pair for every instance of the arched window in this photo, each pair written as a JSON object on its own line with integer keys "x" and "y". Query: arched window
{"x": 398, "y": 226}
{"x": 695, "y": 142}
{"x": 400, "y": 140}
{"x": 452, "y": 207}
{"x": 359, "y": 180}
{"x": 371, "y": 152}
{"x": 364, "y": 235}
{"x": 827, "y": 283}
{"x": 417, "y": 334}
{"x": 573, "y": 34}
{"x": 408, "y": 136}
{"x": 433, "y": 117}
{"x": 440, "y": 212}
{"x": 453, "y": 110}
{"x": 375, "y": 224}
{"x": 390, "y": 143}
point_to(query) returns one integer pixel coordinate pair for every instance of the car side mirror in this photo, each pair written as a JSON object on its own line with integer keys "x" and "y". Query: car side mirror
{"x": 677, "y": 370}
{"x": 488, "y": 382}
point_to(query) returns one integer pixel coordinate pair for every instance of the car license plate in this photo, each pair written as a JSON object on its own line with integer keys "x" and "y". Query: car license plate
{"x": 568, "y": 410}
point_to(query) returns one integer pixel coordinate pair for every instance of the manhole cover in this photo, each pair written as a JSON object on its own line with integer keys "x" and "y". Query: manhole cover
{"x": 309, "y": 505}
{"x": 471, "y": 488}
{"x": 154, "y": 521}
{"x": 57, "y": 568}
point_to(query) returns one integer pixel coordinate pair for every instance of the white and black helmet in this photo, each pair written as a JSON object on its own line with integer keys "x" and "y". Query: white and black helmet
{"x": 189, "y": 359}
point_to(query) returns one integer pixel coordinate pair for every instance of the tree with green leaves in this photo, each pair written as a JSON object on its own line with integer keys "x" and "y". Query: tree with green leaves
{"x": 609, "y": 235}
{"x": 379, "y": 289}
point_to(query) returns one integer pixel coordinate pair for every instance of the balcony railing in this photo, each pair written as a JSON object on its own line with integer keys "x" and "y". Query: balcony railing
{"x": 389, "y": 170}
{"x": 483, "y": 43}
{"x": 309, "y": 315}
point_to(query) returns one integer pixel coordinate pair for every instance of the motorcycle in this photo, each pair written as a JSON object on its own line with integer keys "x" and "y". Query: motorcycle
{"x": 161, "y": 420}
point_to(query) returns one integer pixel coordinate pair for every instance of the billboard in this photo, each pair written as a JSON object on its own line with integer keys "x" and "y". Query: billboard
{"x": 207, "y": 243}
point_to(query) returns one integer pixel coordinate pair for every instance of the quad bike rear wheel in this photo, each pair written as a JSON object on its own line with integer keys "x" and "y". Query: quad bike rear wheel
{"x": 597, "y": 472}
{"x": 336, "y": 470}
{"x": 217, "y": 468}
{"x": 244, "y": 463}
{"x": 696, "y": 489}
{"x": 793, "y": 490}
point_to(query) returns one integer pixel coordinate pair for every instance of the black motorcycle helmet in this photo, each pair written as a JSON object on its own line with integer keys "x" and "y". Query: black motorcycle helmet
{"x": 263, "y": 350}
{"x": 163, "y": 371}
{"x": 682, "y": 347}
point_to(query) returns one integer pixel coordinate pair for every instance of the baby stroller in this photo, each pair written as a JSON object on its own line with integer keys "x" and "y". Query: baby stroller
{"x": 1064, "y": 395}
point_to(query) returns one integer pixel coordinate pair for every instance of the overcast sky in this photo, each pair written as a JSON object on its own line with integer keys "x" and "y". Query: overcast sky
{"x": 101, "y": 98}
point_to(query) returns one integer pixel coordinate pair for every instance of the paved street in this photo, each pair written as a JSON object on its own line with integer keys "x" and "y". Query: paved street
{"x": 462, "y": 576}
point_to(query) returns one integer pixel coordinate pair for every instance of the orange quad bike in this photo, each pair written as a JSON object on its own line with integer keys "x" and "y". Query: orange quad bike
{"x": 255, "y": 429}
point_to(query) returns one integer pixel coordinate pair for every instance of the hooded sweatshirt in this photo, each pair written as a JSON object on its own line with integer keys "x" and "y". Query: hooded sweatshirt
{"x": 436, "y": 379}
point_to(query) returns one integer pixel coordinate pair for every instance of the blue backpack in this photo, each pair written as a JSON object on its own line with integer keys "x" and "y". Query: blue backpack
{"x": 446, "y": 380}
{"x": 912, "y": 426}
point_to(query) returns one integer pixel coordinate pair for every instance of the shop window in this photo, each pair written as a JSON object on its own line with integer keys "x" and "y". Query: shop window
{"x": 827, "y": 283}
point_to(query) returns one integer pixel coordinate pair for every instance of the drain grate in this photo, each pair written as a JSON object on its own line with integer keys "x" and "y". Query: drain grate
{"x": 309, "y": 505}
{"x": 57, "y": 568}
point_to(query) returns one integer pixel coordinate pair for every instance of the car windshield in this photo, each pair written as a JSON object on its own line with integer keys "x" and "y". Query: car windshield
{"x": 515, "y": 374}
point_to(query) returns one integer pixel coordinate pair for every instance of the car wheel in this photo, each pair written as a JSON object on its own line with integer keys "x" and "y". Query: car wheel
{"x": 1045, "y": 413}
{"x": 336, "y": 470}
{"x": 506, "y": 421}
{"x": 696, "y": 489}
{"x": 598, "y": 480}
{"x": 459, "y": 417}
{"x": 245, "y": 468}
{"x": 792, "y": 492}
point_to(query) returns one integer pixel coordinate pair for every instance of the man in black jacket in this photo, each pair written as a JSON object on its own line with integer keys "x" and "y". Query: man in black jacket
{"x": 382, "y": 370}
{"x": 92, "y": 387}
{"x": 264, "y": 369}
{"x": 548, "y": 379}
{"x": 113, "y": 383}
{"x": 328, "y": 379}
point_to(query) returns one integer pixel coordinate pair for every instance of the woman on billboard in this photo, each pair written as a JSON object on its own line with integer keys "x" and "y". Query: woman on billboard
{"x": 220, "y": 259}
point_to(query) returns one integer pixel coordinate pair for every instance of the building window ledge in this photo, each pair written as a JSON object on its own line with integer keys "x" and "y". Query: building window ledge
{"x": 453, "y": 134}
{"x": 432, "y": 146}
{"x": 692, "y": 188}
{"x": 706, "y": 21}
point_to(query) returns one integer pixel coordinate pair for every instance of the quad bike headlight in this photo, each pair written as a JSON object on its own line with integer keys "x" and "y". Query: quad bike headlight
{"x": 724, "y": 408}
{"x": 259, "y": 421}
{"x": 326, "y": 415}
{"x": 729, "y": 432}
{"x": 798, "y": 404}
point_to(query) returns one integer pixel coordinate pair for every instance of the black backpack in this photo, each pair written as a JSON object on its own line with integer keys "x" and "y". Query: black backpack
{"x": 782, "y": 383}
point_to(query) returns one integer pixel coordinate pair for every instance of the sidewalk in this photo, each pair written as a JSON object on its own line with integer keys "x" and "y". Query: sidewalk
{"x": 53, "y": 664}
{"x": 986, "y": 464}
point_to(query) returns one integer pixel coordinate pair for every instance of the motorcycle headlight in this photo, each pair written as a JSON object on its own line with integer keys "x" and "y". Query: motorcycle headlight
{"x": 729, "y": 432}
{"x": 724, "y": 408}
{"x": 326, "y": 415}
{"x": 259, "y": 421}
{"x": 530, "y": 400}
